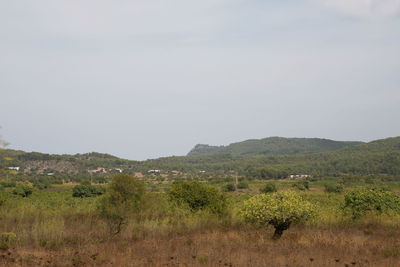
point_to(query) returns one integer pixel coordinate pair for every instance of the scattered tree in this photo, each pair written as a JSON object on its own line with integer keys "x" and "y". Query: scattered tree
{"x": 123, "y": 198}
{"x": 23, "y": 190}
{"x": 281, "y": 210}
{"x": 268, "y": 188}
{"x": 198, "y": 196}
{"x": 379, "y": 201}
{"x": 87, "y": 191}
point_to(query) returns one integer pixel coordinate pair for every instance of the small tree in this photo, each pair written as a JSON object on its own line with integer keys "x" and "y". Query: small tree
{"x": 124, "y": 196}
{"x": 330, "y": 188}
{"x": 243, "y": 185}
{"x": 280, "y": 210}
{"x": 229, "y": 187}
{"x": 268, "y": 188}
{"x": 23, "y": 190}
{"x": 302, "y": 185}
{"x": 198, "y": 196}
{"x": 87, "y": 191}
{"x": 379, "y": 201}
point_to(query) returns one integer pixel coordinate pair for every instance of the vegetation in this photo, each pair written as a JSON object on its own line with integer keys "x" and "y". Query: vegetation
{"x": 280, "y": 210}
{"x": 124, "y": 197}
{"x": 360, "y": 202}
{"x": 198, "y": 196}
{"x": 87, "y": 191}
{"x": 272, "y": 146}
{"x": 23, "y": 190}
{"x": 333, "y": 188}
{"x": 268, "y": 188}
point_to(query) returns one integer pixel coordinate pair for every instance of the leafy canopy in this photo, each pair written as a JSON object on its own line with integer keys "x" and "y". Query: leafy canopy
{"x": 124, "y": 196}
{"x": 279, "y": 209}
{"x": 360, "y": 202}
{"x": 198, "y": 197}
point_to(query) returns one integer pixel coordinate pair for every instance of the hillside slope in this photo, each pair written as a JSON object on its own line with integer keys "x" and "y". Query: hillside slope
{"x": 272, "y": 146}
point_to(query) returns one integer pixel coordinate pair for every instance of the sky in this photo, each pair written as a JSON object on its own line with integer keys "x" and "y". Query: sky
{"x": 145, "y": 79}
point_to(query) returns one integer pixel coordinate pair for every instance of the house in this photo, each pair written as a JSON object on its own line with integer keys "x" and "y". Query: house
{"x": 14, "y": 168}
{"x": 153, "y": 171}
{"x": 298, "y": 176}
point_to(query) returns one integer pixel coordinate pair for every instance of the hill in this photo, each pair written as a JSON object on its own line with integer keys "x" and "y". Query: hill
{"x": 272, "y": 146}
{"x": 373, "y": 158}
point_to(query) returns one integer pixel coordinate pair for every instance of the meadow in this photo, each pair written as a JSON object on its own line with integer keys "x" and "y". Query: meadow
{"x": 53, "y": 228}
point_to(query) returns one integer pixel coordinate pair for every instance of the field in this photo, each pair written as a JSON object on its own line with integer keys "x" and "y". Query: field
{"x": 55, "y": 229}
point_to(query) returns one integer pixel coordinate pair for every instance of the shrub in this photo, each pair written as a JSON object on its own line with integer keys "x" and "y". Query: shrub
{"x": 8, "y": 183}
{"x": 330, "y": 188}
{"x": 229, "y": 188}
{"x": 198, "y": 196}
{"x": 123, "y": 198}
{"x": 87, "y": 191}
{"x": 268, "y": 188}
{"x": 7, "y": 240}
{"x": 23, "y": 190}
{"x": 278, "y": 209}
{"x": 360, "y": 202}
{"x": 243, "y": 185}
{"x": 302, "y": 185}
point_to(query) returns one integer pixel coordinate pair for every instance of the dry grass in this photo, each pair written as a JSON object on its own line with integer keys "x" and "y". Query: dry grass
{"x": 240, "y": 247}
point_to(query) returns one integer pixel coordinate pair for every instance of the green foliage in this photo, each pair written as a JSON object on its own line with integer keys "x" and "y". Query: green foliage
{"x": 229, "y": 187}
{"x": 23, "y": 190}
{"x": 272, "y": 145}
{"x": 8, "y": 184}
{"x": 7, "y": 240}
{"x": 243, "y": 185}
{"x": 333, "y": 188}
{"x": 87, "y": 191}
{"x": 268, "y": 188}
{"x": 360, "y": 202}
{"x": 198, "y": 196}
{"x": 302, "y": 185}
{"x": 123, "y": 198}
{"x": 280, "y": 210}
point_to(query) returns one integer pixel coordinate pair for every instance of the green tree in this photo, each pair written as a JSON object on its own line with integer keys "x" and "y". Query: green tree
{"x": 87, "y": 191}
{"x": 23, "y": 190}
{"x": 198, "y": 196}
{"x": 333, "y": 188}
{"x": 243, "y": 185}
{"x": 229, "y": 187}
{"x": 268, "y": 188}
{"x": 123, "y": 198}
{"x": 281, "y": 210}
{"x": 360, "y": 202}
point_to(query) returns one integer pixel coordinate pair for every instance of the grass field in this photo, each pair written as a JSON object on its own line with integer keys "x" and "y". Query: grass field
{"x": 55, "y": 229}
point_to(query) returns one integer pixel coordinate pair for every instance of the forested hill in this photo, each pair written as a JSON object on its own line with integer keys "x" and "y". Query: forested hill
{"x": 376, "y": 157}
{"x": 272, "y": 146}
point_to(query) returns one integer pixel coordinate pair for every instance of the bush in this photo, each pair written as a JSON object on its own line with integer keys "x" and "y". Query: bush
{"x": 8, "y": 183}
{"x": 268, "y": 188}
{"x": 7, "y": 240}
{"x": 379, "y": 201}
{"x": 87, "y": 191}
{"x": 243, "y": 185}
{"x": 330, "y": 188}
{"x": 23, "y": 190}
{"x": 302, "y": 185}
{"x": 229, "y": 188}
{"x": 278, "y": 209}
{"x": 123, "y": 198}
{"x": 198, "y": 196}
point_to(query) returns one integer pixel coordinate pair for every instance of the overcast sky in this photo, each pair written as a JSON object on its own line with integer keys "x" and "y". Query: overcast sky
{"x": 150, "y": 78}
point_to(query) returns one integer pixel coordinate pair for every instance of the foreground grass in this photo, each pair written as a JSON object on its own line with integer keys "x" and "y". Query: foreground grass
{"x": 237, "y": 247}
{"x": 55, "y": 229}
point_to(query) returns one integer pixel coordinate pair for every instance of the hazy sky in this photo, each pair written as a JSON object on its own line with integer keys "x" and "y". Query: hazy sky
{"x": 149, "y": 78}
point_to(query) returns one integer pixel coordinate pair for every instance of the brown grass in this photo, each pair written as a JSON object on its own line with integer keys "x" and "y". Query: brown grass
{"x": 301, "y": 246}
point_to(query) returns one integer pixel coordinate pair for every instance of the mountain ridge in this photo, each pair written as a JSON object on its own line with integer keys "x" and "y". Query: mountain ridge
{"x": 273, "y": 146}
